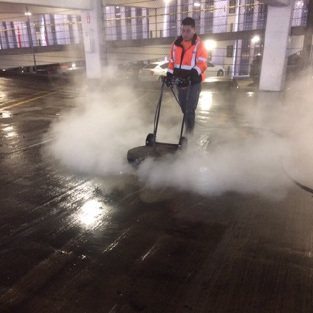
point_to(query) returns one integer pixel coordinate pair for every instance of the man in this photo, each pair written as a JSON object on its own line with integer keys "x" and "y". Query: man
{"x": 187, "y": 64}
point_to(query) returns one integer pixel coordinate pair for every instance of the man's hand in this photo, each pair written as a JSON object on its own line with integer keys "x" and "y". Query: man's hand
{"x": 182, "y": 82}
{"x": 194, "y": 73}
{"x": 168, "y": 80}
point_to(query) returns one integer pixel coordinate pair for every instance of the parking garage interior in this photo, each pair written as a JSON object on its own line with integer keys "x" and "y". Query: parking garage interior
{"x": 223, "y": 226}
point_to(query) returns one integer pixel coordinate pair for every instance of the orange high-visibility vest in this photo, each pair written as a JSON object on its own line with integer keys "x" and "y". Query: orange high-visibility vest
{"x": 182, "y": 62}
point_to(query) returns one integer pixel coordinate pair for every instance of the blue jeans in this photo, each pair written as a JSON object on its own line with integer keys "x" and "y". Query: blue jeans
{"x": 188, "y": 101}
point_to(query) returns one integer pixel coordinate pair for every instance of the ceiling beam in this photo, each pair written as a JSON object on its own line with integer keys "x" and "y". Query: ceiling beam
{"x": 68, "y": 4}
{"x": 151, "y": 4}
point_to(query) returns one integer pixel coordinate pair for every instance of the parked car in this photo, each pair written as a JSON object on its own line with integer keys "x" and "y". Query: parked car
{"x": 130, "y": 70}
{"x": 60, "y": 70}
{"x": 294, "y": 65}
{"x": 214, "y": 70}
{"x": 153, "y": 71}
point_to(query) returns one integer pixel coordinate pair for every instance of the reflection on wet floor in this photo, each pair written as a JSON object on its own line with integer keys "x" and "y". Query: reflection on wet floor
{"x": 5, "y": 114}
{"x": 219, "y": 119}
{"x": 9, "y": 131}
{"x": 205, "y": 101}
{"x": 91, "y": 214}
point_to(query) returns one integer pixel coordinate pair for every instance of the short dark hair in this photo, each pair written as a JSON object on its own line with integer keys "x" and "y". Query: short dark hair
{"x": 189, "y": 21}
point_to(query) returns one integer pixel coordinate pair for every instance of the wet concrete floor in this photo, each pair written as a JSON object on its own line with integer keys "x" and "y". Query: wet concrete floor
{"x": 73, "y": 242}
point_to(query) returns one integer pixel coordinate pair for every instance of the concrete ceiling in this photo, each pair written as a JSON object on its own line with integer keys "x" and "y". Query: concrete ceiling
{"x": 137, "y": 3}
{"x": 16, "y": 11}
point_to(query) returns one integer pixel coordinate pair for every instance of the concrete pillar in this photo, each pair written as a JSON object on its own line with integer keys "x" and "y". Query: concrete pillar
{"x": 308, "y": 40}
{"x": 274, "y": 59}
{"x": 94, "y": 40}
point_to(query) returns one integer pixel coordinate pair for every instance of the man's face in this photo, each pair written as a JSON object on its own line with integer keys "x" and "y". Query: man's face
{"x": 187, "y": 32}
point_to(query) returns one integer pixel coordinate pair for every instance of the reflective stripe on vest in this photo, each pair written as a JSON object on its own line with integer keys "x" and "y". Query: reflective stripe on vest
{"x": 174, "y": 52}
{"x": 193, "y": 60}
{"x": 201, "y": 59}
{"x": 183, "y": 67}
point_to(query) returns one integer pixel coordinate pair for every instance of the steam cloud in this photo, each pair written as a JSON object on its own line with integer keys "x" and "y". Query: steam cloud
{"x": 259, "y": 158}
